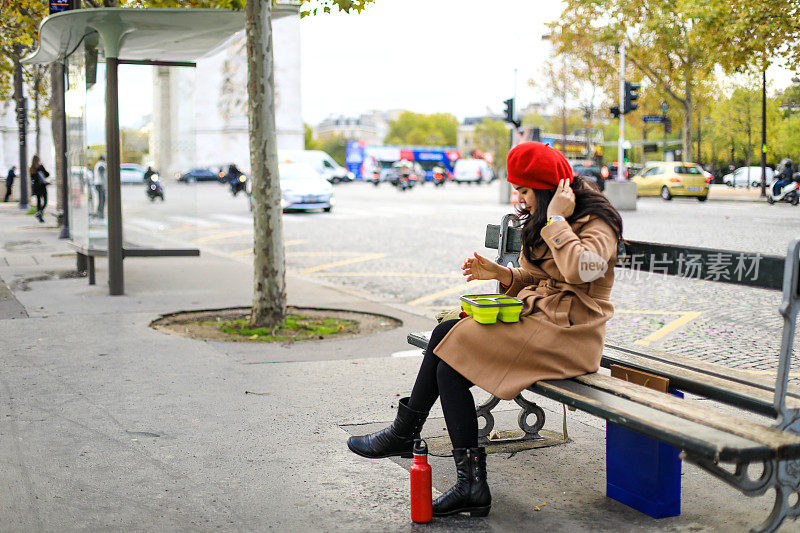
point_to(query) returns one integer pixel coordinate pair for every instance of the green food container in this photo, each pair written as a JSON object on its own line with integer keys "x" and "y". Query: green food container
{"x": 509, "y": 313}
{"x": 484, "y": 311}
{"x": 486, "y": 308}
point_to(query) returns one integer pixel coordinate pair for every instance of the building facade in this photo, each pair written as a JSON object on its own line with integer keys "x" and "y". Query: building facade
{"x": 371, "y": 127}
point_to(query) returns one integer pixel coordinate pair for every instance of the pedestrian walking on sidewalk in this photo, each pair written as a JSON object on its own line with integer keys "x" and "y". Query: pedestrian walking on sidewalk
{"x": 39, "y": 186}
{"x": 10, "y": 182}
{"x": 570, "y": 235}
{"x": 100, "y": 181}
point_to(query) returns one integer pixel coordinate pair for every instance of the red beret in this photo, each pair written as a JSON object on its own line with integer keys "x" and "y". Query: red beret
{"x": 537, "y": 166}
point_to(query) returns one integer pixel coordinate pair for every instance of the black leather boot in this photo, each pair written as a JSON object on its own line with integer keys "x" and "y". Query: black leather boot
{"x": 471, "y": 491}
{"x": 396, "y": 440}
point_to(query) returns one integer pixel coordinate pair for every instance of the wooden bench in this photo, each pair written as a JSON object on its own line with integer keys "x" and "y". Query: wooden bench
{"x": 722, "y": 443}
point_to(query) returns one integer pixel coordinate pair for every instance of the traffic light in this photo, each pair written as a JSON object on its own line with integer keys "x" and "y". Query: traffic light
{"x": 509, "y": 112}
{"x": 614, "y": 111}
{"x": 625, "y": 155}
{"x": 631, "y": 95}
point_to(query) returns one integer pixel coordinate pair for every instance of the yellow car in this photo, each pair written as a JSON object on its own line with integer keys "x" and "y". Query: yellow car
{"x": 673, "y": 178}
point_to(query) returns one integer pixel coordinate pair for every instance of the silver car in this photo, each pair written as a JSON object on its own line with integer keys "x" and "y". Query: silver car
{"x": 303, "y": 188}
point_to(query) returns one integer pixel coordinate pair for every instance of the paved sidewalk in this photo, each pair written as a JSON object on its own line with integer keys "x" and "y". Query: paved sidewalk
{"x": 108, "y": 424}
{"x": 736, "y": 194}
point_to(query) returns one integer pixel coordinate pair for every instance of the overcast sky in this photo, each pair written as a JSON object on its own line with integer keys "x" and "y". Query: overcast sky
{"x": 454, "y": 56}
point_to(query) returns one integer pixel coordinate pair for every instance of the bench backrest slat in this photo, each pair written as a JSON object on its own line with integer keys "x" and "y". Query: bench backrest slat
{"x": 740, "y": 268}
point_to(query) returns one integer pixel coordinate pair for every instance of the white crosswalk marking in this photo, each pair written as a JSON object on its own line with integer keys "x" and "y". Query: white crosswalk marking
{"x": 144, "y": 223}
{"x": 238, "y": 219}
{"x": 408, "y": 353}
{"x": 194, "y": 221}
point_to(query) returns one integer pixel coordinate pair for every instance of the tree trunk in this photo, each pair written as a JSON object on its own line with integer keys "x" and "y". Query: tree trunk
{"x": 37, "y": 116}
{"x": 22, "y": 126}
{"x": 686, "y": 157}
{"x": 269, "y": 265}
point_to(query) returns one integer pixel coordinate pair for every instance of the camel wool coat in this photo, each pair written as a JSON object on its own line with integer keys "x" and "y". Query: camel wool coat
{"x": 561, "y": 330}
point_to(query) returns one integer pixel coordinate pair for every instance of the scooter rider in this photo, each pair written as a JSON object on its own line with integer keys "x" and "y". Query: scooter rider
{"x": 785, "y": 176}
{"x": 148, "y": 174}
{"x": 233, "y": 179}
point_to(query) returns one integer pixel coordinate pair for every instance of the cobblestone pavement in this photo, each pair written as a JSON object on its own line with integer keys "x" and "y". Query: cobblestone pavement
{"x": 407, "y": 248}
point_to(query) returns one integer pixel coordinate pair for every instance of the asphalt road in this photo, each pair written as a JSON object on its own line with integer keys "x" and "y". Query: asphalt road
{"x": 406, "y": 248}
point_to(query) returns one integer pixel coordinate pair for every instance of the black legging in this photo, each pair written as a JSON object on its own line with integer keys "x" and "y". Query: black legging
{"x": 438, "y": 379}
{"x": 41, "y": 200}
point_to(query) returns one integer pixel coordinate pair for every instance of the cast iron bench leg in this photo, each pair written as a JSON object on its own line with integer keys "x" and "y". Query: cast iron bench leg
{"x": 529, "y": 408}
{"x": 91, "y": 270}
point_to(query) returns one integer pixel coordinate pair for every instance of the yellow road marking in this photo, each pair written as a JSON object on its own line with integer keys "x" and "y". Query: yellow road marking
{"x": 250, "y": 250}
{"x": 359, "y": 259}
{"x": 321, "y": 254}
{"x": 684, "y": 318}
{"x": 385, "y": 275}
{"x": 446, "y": 292}
{"x": 220, "y": 236}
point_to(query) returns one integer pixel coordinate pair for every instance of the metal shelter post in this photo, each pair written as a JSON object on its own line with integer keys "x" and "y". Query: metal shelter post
{"x": 61, "y": 155}
{"x": 110, "y": 34}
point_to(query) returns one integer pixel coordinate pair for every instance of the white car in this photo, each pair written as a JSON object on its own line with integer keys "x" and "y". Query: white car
{"x": 319, "y": 161}
{"x": 131, "y": 173}
{"x": 744, "y": 175}
{"x": 472, "y": 171}
{"x": 303, "y": 188}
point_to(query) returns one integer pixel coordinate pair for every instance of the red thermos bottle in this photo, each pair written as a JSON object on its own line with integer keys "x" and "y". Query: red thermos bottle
{"x": 421, "y": 495}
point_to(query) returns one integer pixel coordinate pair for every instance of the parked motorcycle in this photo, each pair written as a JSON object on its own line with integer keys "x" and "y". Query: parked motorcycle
{"x": 153, "y": 187}
{"x": 790, "y": 192}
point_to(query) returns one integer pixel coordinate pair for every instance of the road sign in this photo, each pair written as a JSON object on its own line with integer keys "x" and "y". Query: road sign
{"x": 653, "y": 118}
{"x": 57, "y": 6}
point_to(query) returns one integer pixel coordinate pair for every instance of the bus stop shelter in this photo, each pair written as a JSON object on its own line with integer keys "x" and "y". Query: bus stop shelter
{"x": 118, "y": 36}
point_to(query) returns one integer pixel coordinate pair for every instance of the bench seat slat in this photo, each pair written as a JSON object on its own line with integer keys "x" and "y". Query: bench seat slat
{"x": 684, "y": 434}
{"x": 746, "y": 396}
{"x": 711, "y": 369}
{"x": 419, "y": 339}
{"x": 774, "y": 438}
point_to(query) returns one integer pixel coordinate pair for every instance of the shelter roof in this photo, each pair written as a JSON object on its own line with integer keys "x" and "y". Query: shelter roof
{"x": 153, "y": 34}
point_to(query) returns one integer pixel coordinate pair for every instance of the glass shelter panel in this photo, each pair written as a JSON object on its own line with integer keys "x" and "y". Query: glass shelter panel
{"x": 80, "y": 177}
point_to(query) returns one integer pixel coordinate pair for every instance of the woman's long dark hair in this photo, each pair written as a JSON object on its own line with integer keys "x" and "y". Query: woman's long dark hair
{"x": 35, "y": 164}
{"x": 588, "y": 201}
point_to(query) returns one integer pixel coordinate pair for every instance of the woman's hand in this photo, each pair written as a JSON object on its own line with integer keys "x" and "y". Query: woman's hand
{"x": 479, "y": 267}
{"x": 563, "y": 203}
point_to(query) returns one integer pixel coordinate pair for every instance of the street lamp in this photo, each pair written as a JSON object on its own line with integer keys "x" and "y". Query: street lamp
{"x": 664, "y": 109}
{"x": 763, "y": 134}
